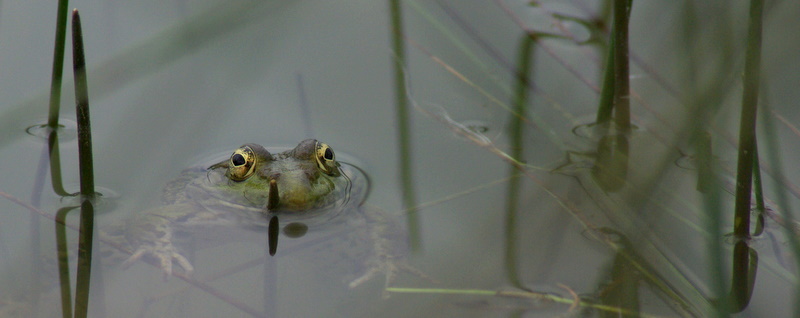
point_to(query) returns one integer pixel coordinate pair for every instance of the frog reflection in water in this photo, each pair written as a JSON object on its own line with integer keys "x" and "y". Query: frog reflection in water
{"x": 242, "y": 190}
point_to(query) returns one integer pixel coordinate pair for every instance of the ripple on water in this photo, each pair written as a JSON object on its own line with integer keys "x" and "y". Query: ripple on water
{"x": 67, "y": 130}
{"x": 106, "y": 199}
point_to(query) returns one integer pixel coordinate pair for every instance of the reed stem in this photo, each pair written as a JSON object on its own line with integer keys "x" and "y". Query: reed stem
{"x": 747, "y": 126}
{"x": 86, "y": 168}
{"x": 82, "y": 108}
{"x": 403, "y": 124}
{"x": 58, "y": 64}
{"x": 622, "y": 112}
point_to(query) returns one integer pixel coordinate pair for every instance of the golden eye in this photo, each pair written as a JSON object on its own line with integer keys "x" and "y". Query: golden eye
{"x": 242, "y": 164}
{"x": 326, "y": 160}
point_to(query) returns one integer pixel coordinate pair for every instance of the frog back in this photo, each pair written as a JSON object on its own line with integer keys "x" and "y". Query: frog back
{"x": 177, "y": 190}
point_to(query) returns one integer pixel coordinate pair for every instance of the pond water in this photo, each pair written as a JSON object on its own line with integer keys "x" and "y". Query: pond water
{"x": 177, "y": 83}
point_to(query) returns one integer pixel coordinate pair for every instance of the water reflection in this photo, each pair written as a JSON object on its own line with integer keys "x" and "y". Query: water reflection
{"x": 272, "y": 235}
{"x": 292, "y": 230}
{"x": 611, "y": 167}
{"x": 619, "y": 288}
{"x": 743, "y": 276}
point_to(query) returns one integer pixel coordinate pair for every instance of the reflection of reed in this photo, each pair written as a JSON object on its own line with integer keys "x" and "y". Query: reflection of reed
{"x": 620, "y": 289}
{"x": 610, "y": 168}
{"x": 62, "y": 251}
{"x": 743, "y": 277}
{"x": 273, "y": 231}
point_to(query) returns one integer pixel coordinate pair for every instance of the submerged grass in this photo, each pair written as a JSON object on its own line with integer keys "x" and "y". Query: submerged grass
{"x": 573, "y": 302}
{"x": 403, "y": 123}
{"x": 525, "y": 62}
{"x": 703, "y": 100}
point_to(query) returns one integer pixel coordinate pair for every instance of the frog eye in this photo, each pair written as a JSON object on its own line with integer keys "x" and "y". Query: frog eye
{"x": 242, "y": 164}
{"x": 326, "y": 160}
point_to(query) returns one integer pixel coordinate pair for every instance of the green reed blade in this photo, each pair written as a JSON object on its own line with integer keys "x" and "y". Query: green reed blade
{"x": 55, "y": 165}
{"x": 58, "y": 64}
{"x": 606, "y": 107}
{"x": 55, "y": 97}
{"x": 747, "y": 126}
{"x": 622, "y": 112}
{"x": 82, "y": 106}
{"x": 758, "y": 192}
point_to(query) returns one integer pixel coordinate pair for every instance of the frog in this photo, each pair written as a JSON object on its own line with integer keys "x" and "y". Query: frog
{"x": 246, "y": 190}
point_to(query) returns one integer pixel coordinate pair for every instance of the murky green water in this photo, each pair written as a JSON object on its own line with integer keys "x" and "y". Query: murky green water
{"x": 173, "y": 84}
